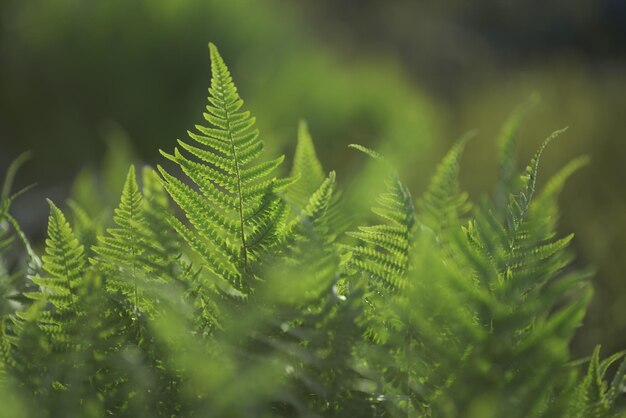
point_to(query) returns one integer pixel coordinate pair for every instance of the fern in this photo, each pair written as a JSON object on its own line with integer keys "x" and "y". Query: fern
{"x": 315, "y": 217}
{"x": 383, "y": 250}
{"x": 519, "y": 268}
{"x": 65, "y": 264}
{"x": 9, "y": 276}
{"x": 507, "y": 143}
{"x": 382, "y": 257}
{"x": 308, "y": 169}
{"x": 129, "y": 255}
{"x": 156, "y": 207}
{"x": 593, "y": 396}
{"x": 306, "y": 166}
{"x": 237, "y": 215}
{"x": 247, "y": 299}
{"x": 520, "y": 203}
{"x": 443, "y": 203}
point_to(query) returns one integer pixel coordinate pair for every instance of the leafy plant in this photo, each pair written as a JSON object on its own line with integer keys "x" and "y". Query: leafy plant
{"x": 248, "y": 299}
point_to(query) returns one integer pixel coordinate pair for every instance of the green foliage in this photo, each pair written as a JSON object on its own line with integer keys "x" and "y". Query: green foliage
{"x": 131, "y": 254}
{"x": 305, "y": 165}
{"x": 595, "y": 397}
{"x": 383, "y": 250}
{"x": 249, "y": 300}
{"x": 64, "y": 264}
{"x": 443, "y": 203}
{"x": 249, "y": 215}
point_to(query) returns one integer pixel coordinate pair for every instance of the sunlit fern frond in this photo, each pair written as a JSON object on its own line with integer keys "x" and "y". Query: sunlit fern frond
{"x": 10, "y": 276}
{"x": 520, "y": 290}
{"x": 64, "y": 264}
{"x": 156, "y": 209}
{"x": 379, "y": 261}
{"x": 306, "y": 166}
{"x": 382, "y": 252}
{"x": 86, "y": 228}
{"x": 544, "y": 208}
{"x": 314, "y": 220}
{"x": 129, "y": 254}
{"x": 596, "y": 397}
{"x": 236, "y": 214}
{"x": 443, "y": 204}
{"x": 519, "y": 203}
{"x": 507, "y": 143}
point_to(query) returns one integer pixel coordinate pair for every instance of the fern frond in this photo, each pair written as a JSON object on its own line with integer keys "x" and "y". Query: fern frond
{"x": 617, "y": 388}
{"x": 54, "y": 310}
{"x": 374, "y": 154}
{"x": 589, "y": 396}
{"x": 156, "y": 209}
{"x": 320, "y": 201}
{"x": 595, "y": 396}
{"x": 64, "y": 262}
{"x": 383, "y": 250}
{"x": 443, "y": 203}
{"x": 8, "y": 221}
{"x": 9, "y": 276}
{"x": 520, "y": 203}
{"x": 499, "y": 297}
{"x": 130, "y": 254}
{"x": 236, "y": 214}
{"x": 507, "y": 143}
{"x": 544, "y": 209}
{"x": 86, "y": 228}
{"x": 307, "y": 166}
{"x": 382, "y": 256}
{"x": 314, "y": 219}
{"x": 10, "y": 175}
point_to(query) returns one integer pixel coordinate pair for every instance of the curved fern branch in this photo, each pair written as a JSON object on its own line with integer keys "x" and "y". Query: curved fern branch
{"x": 507, "y": 143}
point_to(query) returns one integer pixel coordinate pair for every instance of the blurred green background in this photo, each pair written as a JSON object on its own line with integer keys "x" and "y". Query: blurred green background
{"x": 406, "y": 78}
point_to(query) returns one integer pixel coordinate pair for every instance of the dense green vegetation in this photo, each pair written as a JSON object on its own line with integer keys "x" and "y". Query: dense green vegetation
{"x": 223, "y": 289}
{"x": 404, "y": 78}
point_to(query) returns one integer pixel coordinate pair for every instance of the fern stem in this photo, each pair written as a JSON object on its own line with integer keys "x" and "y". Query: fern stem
{"x": 244, "y": 248}
{"x": 69, "y": 286}
{"x": 135, "y": 291}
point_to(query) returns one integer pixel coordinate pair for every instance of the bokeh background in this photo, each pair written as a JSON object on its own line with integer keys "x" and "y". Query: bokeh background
{"x": 406, "y": 78}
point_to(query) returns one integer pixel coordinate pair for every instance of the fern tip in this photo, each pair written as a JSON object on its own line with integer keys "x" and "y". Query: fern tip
{"x": 535, "y": 98}
{"x": 467, "y": 136}
{"x": 375, "y": 155}
{"x": 214, "y": 52}
{"x": 51, "y": 204}
{"x": 166, "y": 155}
{"x": 303, "y": 125}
